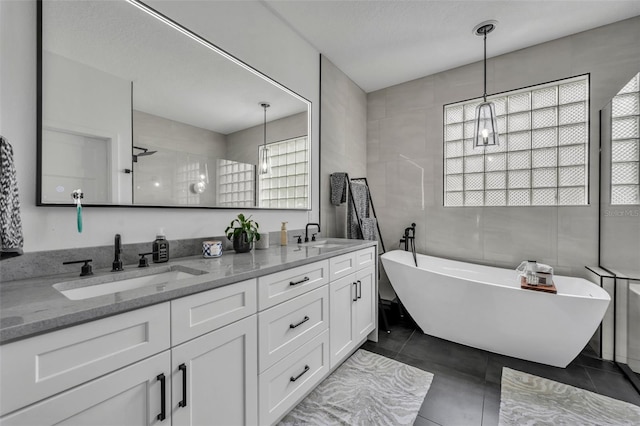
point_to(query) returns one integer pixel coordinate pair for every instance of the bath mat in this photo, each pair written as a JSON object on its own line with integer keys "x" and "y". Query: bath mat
{"x": 526, "y": 399}
{"x": 368, "y": 389}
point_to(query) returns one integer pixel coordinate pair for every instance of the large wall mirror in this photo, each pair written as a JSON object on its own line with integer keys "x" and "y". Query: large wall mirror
{"x": 136, "y": 110}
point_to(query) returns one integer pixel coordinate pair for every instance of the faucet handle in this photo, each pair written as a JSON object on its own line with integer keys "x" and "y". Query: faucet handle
{"x": 144, "y": 262}
{"x": 86, "y": 268}
{"x": 299, "y": 237}
{"x": 313, "y": 236}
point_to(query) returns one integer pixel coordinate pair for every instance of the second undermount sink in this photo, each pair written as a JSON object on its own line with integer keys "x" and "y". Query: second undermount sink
{"x": 109, "y": 284}
{"x": 322, "y": 244}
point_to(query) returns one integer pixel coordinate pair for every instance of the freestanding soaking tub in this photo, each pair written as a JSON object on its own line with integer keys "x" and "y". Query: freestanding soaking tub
{"x": 484, "y": 307}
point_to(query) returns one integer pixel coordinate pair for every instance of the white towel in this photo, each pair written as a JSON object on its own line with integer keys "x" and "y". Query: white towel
{"x": 11, "y": 240}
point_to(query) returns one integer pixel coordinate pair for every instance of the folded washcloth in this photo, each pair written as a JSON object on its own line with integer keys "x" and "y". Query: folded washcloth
{"x": 11, "y": 240}
{"x": 338, "y": 183}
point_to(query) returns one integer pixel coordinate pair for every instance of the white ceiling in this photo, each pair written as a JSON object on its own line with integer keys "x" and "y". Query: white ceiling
{"x": 382, "y": 43}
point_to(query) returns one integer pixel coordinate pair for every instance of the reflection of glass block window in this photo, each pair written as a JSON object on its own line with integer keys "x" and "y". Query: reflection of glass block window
{"x": 287, "y": 183}
{"x": 625, "y": 144}
{"x": 543, "y": 155}
{"x": 236, "y": 184}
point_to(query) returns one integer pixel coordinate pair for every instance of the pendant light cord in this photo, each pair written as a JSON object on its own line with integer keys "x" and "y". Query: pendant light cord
{"x": 485, "y": 65}
{"x": 265, "y": 126}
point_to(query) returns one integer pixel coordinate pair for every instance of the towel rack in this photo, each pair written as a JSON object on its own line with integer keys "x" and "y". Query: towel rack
{"x": 379, "y": 234}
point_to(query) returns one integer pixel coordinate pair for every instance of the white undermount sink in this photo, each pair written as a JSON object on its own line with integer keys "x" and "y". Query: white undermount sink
{"x": 96, "y": 286}
{"x": 322, "y": 244}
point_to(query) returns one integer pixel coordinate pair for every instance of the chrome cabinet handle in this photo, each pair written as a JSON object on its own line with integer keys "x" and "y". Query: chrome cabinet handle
{"x": 293, "y": 379}
{"x": 355, "y": 298}
{"x": 359, "y": 289}
{"x": 163, "y": 397}
{"x": 306, "y": 318}
{"x": 183, "y": 367}
{"x": 305, "y": 279}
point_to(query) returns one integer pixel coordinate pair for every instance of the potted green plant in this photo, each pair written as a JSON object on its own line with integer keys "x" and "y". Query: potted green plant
{"x": 243, "y": 231}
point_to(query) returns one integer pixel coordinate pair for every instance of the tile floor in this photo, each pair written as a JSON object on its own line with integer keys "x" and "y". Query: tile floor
{"x": 466, "y": 387}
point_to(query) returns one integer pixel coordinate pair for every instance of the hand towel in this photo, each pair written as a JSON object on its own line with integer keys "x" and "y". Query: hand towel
{"x": 11, "y": 240}
{"x": 338, "y": 189}
{"x": 359, "y": 203}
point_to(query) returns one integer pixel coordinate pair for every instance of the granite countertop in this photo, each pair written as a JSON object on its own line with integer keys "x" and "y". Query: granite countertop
{"x": 33, "y": 306}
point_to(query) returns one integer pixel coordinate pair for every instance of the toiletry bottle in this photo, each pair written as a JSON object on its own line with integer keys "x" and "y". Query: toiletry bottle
{"x": 283, "y": 234}
{"x": 160, "y": 249}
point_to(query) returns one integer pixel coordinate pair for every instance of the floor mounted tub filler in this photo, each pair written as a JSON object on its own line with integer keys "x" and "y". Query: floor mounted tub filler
{"x": 484, "y": 307}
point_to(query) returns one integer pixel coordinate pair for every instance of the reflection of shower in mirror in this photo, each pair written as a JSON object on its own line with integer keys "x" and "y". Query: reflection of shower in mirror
{"x": 145, "y": 151}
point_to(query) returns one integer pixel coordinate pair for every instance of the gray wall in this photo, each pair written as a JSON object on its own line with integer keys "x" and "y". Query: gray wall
{"x": 343, "y": 108}
{"x": 620, "y": 226}
{"x": 242, "y": 146}
{"x": 406, "y": 120}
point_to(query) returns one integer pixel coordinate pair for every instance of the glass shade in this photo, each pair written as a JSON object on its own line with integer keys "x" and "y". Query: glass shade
{"x": 265, "y": 161}
{"x": 486, "y": 126}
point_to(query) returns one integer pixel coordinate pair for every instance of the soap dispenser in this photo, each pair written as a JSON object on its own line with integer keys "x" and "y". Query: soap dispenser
{"x": 283, "y": 234}
{"x": 160, "y": 248}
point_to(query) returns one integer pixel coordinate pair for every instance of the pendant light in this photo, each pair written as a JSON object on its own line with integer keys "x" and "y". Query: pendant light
{"x": 486, "y": 125}
{"x": 265, "y": 158}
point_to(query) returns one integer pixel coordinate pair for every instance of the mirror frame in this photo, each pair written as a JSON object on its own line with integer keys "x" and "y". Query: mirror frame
{"x": 195, "y": 37}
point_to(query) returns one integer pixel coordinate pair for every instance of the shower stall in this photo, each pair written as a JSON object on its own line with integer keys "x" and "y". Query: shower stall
{"x": 619, "y": 220}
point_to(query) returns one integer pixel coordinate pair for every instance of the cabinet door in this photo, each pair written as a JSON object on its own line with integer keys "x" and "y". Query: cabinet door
{"x": 342, "y": 304}
{"x": 130, "y": 396}
{"x": 215, "y": 377}
{"x": 365, "y": 309}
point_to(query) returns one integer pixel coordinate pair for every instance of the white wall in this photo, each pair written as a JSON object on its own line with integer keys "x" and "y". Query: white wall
{"x": 245, "y": 29}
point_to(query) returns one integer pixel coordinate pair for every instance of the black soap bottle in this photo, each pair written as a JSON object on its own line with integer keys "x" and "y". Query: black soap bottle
{"x": 160, "y": 249}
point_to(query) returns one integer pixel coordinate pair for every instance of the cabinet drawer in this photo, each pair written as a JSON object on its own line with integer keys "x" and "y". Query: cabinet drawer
{"x": 366, "y": 257}
{"x": 286, "y": 327}
{"x": 341, "y": 266}
{"x": 282, "y": 286}
{"x": 201, "y": 313}
{"x": 44, "y": 365}
{"x": 287, "y": 382}
{"x": 129, "y": 396}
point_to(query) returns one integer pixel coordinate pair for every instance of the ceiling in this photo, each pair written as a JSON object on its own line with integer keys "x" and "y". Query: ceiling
{"x": 382, "y": 43}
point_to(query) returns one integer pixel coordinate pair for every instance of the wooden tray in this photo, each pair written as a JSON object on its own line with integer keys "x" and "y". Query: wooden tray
{"x": 544, "y": 288}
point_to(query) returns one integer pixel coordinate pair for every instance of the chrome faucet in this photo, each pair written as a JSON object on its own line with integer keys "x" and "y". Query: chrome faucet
{"x": 306, "y": 232}
{"x": 117, "y": 262}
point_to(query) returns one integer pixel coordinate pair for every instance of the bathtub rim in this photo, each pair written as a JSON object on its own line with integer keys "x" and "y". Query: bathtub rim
{"x": 560, "y": 280}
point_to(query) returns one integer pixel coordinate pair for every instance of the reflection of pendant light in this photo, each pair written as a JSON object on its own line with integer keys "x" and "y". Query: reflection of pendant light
{"x": 265, "y": 160}
{"x": 486, "y": 125}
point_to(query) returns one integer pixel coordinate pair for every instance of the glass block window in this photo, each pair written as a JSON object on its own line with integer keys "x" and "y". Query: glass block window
{"x": 543, "y": 155}
{"x": 236, "y": 184}
{"x": 625, "y": 144}
{"x": 287, "y": 183}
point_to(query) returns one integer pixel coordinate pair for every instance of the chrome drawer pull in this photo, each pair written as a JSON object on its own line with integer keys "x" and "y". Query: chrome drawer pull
{"x": 306, "y": 368}
{"x": 306, "y": 318}
{"x": 305, "y": 279}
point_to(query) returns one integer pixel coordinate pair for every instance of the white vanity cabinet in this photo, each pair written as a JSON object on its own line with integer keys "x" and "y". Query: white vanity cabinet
{"x": 134, "y": 395}
{"x": 215, "y": 375}
{"x": 293, "y": 344}
{"x": 240, "y": 354}
{"x": 66, "y": 366}
{"x": 352, "y": 301}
